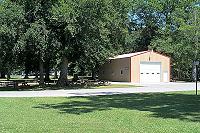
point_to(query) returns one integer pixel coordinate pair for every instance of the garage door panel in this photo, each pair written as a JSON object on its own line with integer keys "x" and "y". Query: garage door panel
{"x": 150, "y": 72}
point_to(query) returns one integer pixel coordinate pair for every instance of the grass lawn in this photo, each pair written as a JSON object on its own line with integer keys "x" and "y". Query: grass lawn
{"x": 140, "y": 113}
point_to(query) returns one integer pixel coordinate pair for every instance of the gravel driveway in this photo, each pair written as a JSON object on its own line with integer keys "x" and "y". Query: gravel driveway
{"x": 161, "y": 87}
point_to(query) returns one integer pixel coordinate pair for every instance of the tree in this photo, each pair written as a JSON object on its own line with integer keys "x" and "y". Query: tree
{"x": 180, "y": 38}
{"x": 37, "y": 42}
{"x": 11, "y": 21}
{"x": 36, "y": 37}
{"x": 89, "y": 32}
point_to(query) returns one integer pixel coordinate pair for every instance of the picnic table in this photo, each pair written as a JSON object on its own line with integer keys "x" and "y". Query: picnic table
{"x": 15, "y": 83}
{"x": 8, "y": 84}
{"x": 90, "y": 82}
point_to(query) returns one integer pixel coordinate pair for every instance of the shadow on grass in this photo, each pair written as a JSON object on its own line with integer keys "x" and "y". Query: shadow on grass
{"x": 21, "y": 88}
{"x": 44, "y": 87}
{"x": 8, "y": 89}
{"x": 161, "y": 105}
{"x": 55, "y": 87}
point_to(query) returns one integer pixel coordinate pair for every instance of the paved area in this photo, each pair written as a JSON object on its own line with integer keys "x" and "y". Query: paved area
{"x": 161, "y": 87}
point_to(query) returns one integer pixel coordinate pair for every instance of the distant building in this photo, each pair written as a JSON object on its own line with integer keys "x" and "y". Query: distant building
{"x": 140, "y": 67}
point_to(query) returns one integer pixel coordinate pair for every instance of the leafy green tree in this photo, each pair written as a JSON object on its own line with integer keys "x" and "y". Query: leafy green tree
{"x": 36, "y": 37}
{"x": 89, "y": 32}
{"x": 180, "y": 38}
{"x": 11, "y": 21}
{"x": 104, "y": 30}
{"x": 37, "y": 44}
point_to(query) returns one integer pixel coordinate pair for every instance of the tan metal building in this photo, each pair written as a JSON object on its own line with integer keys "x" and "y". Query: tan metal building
{"x": 140, "y": 67}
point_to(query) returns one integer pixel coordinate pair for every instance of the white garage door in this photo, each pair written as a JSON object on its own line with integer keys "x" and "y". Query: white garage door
{"x": 150, "y": 72}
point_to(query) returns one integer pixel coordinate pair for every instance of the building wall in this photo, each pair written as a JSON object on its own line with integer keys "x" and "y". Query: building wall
{"x": 116, "y": 70}
{"x": 148, "y": 57}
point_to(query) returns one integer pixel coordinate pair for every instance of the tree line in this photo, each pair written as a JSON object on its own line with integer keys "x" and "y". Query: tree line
{"x": 78, "y": 36}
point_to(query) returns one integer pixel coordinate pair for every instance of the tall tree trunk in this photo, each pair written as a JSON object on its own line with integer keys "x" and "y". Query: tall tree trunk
{"x": 179, "y": 73}
{"x": 36, "y": 75}
{"x": 8, "y": 75}
{"x": 63, "y": 80}
{"x": 56, "y": 74}
{"x": 3, "y": 75}
{"x": 26, "y": 73}
{"x": 26, "y": 69}
{"x": 47, "y": 69}
{"x": 41, "y": 67}
{"x": 94, "y": 74}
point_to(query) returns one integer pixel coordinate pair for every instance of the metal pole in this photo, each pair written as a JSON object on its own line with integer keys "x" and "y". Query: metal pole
{"x": 196, "y": 34}
{"x": 197, "y": 46}
{"x": 196, "y": 79}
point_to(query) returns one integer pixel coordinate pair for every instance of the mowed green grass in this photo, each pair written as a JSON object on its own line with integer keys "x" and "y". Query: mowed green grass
{"x": 131, "y": 113}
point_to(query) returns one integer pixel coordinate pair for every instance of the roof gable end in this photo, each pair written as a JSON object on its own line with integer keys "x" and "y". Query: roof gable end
{"x": 135, "y": 54}
{"x": 129, "y": 55}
